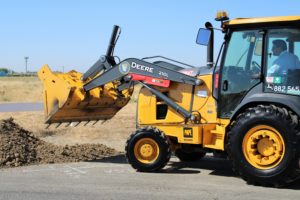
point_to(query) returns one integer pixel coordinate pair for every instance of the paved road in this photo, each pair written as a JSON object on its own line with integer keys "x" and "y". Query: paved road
{"x": 113, "y": 178}
{"x": 20, "y": 107}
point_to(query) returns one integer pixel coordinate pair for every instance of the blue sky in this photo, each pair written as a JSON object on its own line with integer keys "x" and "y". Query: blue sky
{"x": 73, "y": 33}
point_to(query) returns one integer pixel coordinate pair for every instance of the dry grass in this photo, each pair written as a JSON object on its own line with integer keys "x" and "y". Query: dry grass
{"x": 20, "y": 89}
{"x": 28, "y": 89}
{"x": 112, "y": 133}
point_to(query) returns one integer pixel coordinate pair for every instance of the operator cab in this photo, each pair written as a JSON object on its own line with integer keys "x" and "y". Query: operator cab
{"x": 257, "y": 53}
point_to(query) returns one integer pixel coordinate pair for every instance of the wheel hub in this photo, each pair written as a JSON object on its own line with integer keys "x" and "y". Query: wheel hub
{"x": 146, "y": 150}
{"x": 263, "y": 147}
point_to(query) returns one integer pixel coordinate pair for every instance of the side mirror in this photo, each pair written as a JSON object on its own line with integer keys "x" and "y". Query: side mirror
{"x": 203, "y": 36}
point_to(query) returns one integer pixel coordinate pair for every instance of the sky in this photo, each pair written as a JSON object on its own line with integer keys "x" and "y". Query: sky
{"x": 73, "y": 34}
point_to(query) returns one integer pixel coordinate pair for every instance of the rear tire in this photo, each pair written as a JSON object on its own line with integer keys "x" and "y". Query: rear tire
{"x": 263, "y": 146}
{"x": 189, "y": 156}
{"x": 148, "y": 149}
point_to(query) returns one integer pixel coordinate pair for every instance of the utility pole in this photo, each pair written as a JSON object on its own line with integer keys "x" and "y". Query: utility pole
{"x": 26, "y": 62}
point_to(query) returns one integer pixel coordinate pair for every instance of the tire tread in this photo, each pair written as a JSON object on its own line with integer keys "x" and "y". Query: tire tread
{"x": 268, "y": 110}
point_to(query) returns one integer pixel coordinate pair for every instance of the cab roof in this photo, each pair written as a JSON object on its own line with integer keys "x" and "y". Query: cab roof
{"x": 262, "y": 20}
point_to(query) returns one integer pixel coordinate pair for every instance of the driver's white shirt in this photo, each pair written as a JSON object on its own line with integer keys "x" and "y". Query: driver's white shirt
{"x": 284, "y": 62}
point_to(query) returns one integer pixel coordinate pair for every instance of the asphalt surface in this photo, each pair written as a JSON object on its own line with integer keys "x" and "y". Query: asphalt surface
{"x": 113, "y": 178}
{"x": 20, "y": 107}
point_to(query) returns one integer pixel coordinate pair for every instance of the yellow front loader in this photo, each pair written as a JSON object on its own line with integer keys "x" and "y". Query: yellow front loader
{"x": 246, "y": 107}
{"x": 65, "y": 99}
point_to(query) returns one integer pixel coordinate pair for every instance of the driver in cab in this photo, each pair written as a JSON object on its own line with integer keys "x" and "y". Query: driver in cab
{"x": 285, "y": 61}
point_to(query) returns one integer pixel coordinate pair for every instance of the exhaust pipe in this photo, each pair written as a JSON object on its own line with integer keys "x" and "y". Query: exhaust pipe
{"x": 210, "y": 46}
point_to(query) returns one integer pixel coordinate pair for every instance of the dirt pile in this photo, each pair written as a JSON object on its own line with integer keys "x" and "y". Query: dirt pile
{"x": 20, "y": 147}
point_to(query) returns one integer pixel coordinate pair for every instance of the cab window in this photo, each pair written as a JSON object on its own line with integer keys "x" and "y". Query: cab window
{"x": 242, "y": 63}
{"x": 282, "y": 61}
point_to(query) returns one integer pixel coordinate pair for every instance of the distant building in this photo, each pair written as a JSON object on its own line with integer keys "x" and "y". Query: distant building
{"x": 2, "y": 73}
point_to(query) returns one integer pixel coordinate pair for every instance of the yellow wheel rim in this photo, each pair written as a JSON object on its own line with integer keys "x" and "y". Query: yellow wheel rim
{"x": 263, "y": 147}
{"x": 146, "y": 150}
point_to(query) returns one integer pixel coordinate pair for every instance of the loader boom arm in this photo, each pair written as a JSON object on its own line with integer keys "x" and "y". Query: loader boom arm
{"x": 139, "y": 67}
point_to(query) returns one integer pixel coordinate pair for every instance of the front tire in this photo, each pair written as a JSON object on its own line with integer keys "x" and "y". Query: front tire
{"x": 148, "y": 149}
{"x": 262, "y": 144}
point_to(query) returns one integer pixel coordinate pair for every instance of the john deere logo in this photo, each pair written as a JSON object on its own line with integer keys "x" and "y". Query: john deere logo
{"x": 124, "y": 67}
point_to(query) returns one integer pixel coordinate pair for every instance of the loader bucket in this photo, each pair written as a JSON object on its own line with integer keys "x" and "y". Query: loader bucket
{"x": 66, "y": 101}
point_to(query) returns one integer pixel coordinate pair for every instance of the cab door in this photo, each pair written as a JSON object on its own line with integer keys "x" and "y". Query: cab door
{"x": 240, "y": 69}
